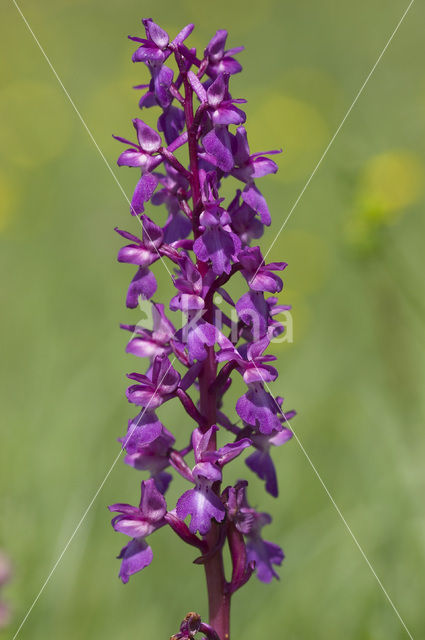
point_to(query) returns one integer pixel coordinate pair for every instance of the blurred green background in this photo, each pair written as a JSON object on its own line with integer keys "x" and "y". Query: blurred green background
{"x": 354, "y": 372}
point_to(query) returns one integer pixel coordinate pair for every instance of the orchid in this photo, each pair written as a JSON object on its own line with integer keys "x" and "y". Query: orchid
{"x": 206, "y": 240}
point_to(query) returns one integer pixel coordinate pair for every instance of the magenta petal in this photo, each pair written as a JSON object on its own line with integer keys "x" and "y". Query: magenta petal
{"x": 217, "y": 148}
{"x": 184, "y": 33}
{"x": 137, "y": 254}
{"x": 202, "y": 504}
{"x": 147, "y": 54}
{"x": 255, "y": 199}
{"x": 260, "y": 373}
{"x": 253, "y": 309}
{"x": 143, "y": 396}
{"x": 258, "y": 408}
{"x": 149, "y": 139}
{"x": 228, "y": 115}
{"x": 219, "y": 246}
{"x": 143, "y": 193}
{"x": 132, "y": 526}
{"x": 132, "y": 158}
{"x": 261, "y": 464}
{"x": 142, "y": 430}
{"x": 143, "y": 285}
{"x": 199, "y": 337}
{"x": 241, "y": 147}
{"x": 135, "y": 556}
{"x": 265, "y": 280}
{"x": 232, "y": 450}
{"x": 263, "y": 166}
{"x": 152, "y": 502}
{"x": 158, "y": 35}
{"x": 144, "y": 348}
{"x": 230, "y": 65}
{"x": 216, "y": 92}
{"x": 197, "y": 86}
{"x": 264, "y": 554}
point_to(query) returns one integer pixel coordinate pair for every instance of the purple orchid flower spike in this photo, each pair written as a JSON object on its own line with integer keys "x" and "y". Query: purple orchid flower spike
{"x": 138, "y": 523}
{"x": 207, "y": 240}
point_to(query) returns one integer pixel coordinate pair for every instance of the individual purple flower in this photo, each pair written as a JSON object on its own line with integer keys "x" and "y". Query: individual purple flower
{"x": 258, "y": 408}
{"x": 238, "y": 510}
{"x": 189, "y": 284}
{"x": 217, "y": 242}
{"x": 217, "y": 144}
{"x": 261, "y": 463}
{"x": 175, "y": 188}
{"x": 149, "y": 343}
{"x": 202, "y": 503}
{"x": 142, "y": 430}
{"x": 219, "y": 60}
{"x": 262, "y": 553}
{"x": 156, "y": 47}
{"x": 260, "y": 276}
{"x": 249, "y": 361}
{"x": 149, "y": 449}
{"x": 216, "y": 100}
{"x": 250, "y": 166}
{"x": 141, "y": 155}
{"x": 244, "y": 221}
{"x": 157, "y": 387}
{"x": 171, "y": 122}
{"x": 139, "y": 523}
{"x": 142, "y": 253}
{"x": 254, "y": 311}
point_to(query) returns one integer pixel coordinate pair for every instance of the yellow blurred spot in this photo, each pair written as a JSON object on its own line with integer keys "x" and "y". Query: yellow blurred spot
{"x": 390, "y": 182}
{"x": 35, "y": 123}
{"x": 8, "y": 197}
{"x": 293, "y": 125}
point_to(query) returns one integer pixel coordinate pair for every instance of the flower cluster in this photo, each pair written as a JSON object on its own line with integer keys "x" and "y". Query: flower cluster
{"x": 206, "y": 242}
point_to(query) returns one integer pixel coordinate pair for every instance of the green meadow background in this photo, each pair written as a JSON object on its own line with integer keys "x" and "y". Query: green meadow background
{"x": 354, "y": 372}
